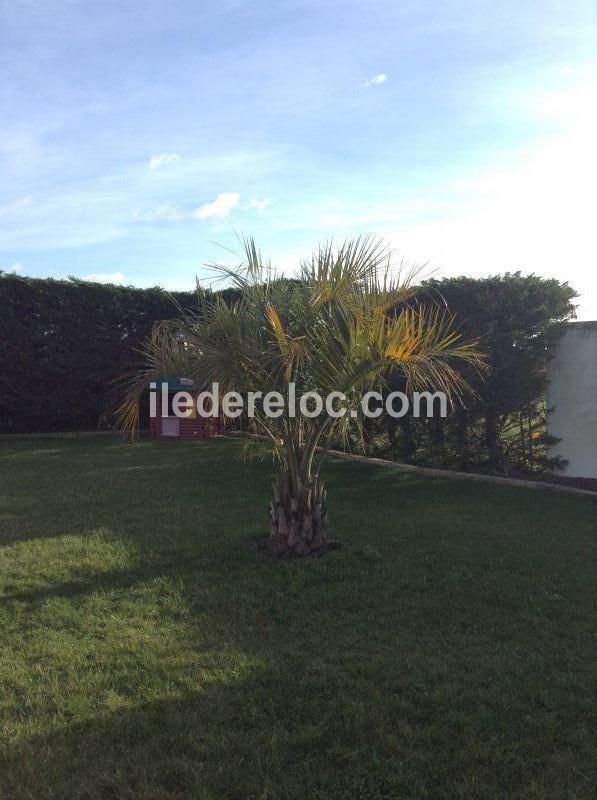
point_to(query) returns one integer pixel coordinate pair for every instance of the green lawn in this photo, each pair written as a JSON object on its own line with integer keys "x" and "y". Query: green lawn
{"x": 448, "y": 650}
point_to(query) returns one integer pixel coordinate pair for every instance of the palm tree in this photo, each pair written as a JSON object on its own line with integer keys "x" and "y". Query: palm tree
{"x": 344, "y": 324}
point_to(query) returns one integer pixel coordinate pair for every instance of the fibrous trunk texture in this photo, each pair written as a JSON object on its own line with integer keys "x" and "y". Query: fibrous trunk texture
{"x": 298, "y": 516}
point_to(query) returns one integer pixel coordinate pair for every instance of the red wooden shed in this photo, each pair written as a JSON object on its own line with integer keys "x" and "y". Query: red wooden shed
{"x": 164, "y": 424}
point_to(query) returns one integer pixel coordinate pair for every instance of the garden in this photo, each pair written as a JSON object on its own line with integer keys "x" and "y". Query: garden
{"x": 254, "y": 617}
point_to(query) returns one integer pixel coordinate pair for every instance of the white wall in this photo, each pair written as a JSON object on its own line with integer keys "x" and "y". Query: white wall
{"x": 572, "y": 395}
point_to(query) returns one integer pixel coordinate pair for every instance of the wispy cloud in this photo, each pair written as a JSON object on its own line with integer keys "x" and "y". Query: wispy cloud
{"x": 105, "y": 277}
{"x": 259, "y": 203}
{"x": 220, "y": 207}
{"x": 217, "y": 209}
{"x": 376, "y": 80}
{"x": 163, "y": 160}
{"x": 163, "y": 213}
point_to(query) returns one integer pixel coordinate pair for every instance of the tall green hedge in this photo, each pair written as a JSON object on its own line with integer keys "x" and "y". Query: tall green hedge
{"x": 63, "y": 342}
{"x": 502, "y": 426}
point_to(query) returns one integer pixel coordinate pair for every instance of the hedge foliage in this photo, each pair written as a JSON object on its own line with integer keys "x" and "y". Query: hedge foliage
{"x": 63, "y": 342}
{"x": 502, "y": 427}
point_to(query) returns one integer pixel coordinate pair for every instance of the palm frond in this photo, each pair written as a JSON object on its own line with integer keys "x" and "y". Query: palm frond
{"x": 345, "y": 324}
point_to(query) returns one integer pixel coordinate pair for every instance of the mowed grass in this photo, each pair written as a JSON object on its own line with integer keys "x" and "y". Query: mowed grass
{"x": 448, "y": 650}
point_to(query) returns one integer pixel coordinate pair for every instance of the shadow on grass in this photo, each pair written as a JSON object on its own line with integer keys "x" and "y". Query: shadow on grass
{"x": 233, "y": 739}
{"x": 112, "y": 580}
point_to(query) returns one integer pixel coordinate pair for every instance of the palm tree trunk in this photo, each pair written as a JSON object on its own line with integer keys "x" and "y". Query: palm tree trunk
{"x": 298, "y": 515}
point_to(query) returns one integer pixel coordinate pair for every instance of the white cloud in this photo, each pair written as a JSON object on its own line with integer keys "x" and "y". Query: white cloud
{"x": 163, "y": 160}
{"x": 376, "y": 80}
{"x": 220, "y": 207}
{"x": 259, "y": 203}
{"x": 105, "y": 277}
{"x": 15, "y": 269}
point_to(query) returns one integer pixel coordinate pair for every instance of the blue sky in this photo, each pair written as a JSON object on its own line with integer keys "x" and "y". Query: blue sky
{"x": 136, "y": 137}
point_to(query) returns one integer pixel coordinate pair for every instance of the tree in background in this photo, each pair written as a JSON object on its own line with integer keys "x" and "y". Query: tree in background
{"x": 502, "y": 428}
